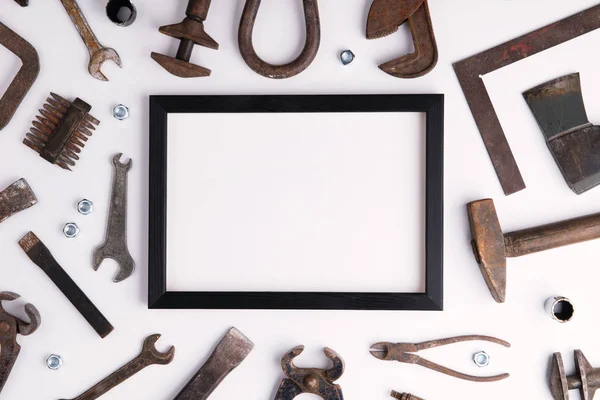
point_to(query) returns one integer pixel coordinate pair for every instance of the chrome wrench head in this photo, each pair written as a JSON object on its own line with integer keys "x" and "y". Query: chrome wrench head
{"x": 115, "y": 243}
{"x": 98, "y": 58}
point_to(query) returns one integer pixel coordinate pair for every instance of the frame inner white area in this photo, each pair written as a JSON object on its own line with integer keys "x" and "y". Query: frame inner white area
{"x": 326, "y": 202}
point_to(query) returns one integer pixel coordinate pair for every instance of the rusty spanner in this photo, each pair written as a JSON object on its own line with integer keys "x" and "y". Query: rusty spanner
{"x": 98, "y": 53}
{"x": 115, "y": 243}
{"x": 148, "y": 356}
{"x": 10, "y": 326}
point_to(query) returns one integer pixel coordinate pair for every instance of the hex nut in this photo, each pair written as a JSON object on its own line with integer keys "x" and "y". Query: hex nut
{"x": 560, "y": 309}
{"x": 481, "y": 359}
{"x": 71, "y": 230}
{"x": 347, "y": 56}
{"x": 121, "y": 112}
{"x": 85, "y": 207}
{"x": 54, "y": 362}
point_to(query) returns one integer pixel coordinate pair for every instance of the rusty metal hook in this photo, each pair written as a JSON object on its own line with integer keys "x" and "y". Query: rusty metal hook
{"x": 306, "y": 57}
{"x": 386, "y": 16}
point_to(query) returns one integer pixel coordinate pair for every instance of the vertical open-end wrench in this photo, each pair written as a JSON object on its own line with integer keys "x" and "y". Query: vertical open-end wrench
{"x": 148, "y": 356}
{"x": 115, "y": 243}
{"x": 98, "y": 53}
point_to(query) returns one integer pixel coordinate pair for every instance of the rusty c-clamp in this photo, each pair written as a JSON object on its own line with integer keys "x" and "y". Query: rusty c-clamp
{"x": 403, "y": 352}
{"x": 386, "y": 16}
{"x": 24, "y": 79}
{"x": 306, "y": 57}
{"x": 10, "y": 326}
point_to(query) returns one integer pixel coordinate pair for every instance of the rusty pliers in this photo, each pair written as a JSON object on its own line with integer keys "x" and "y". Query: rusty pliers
{"x": 403, "y": 352}
{"x": 10, "y": 326}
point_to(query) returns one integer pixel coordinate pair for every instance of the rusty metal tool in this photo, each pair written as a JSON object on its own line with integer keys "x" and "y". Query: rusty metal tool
{"x": 386, "y": 16}
{"x": 41, "y": 256}
{"x": 10, "y": 327}
{"x": 98, "y": 53}
{"x": 491, "y": 246}
{"x": 115, "y": 242}
{"x": 148, "y": 356}
{"x": 471, "y": 70}
{"x": 23, "y": 81}
{"x": 573, "y": 141}
{"x": 310, "y": 380}
{"x": 22, "y": 3}
{"x": 404, "y": 396}
{"x": 304, "y": 59}
{"x": 16, "y": 198}
{"x": 586, "y": 379}
{"x": 404, "y": 352}
{"x": 228, "y": 355}
{"x": 61, "y": 131}
{"x": 190, "y": 31}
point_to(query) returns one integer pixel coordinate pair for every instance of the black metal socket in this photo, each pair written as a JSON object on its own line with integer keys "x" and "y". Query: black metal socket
{"x": 121, "y": 12}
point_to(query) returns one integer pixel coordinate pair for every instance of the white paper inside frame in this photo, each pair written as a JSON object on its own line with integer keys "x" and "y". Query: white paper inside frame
{"x": 296, "y": 202}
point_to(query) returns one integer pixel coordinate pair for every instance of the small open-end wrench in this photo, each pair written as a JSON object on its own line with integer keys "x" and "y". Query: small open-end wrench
{"x": 98, "y": 53}
{"x": 115, "y": 243}
{"x": 148, "y": 356}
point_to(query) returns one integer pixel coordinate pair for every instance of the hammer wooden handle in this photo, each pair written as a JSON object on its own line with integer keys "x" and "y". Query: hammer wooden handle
{"x": 549, "y": 236}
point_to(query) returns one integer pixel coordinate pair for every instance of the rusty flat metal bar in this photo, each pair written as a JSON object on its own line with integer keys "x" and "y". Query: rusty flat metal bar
{"x": 471, "y": 70}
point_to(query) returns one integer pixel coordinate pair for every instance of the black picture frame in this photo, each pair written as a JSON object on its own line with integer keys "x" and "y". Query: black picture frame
{"x": 430, "y": 104}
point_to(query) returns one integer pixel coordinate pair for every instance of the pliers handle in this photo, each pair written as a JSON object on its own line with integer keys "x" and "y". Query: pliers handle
{"x": 403, "y": 352}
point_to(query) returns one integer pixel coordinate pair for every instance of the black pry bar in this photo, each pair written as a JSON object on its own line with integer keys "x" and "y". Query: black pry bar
{"x": 41, "y": 256}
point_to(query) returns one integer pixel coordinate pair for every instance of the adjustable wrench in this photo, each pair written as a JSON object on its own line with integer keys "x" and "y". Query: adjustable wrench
{"x": 115, "y": 243}
{"x": 98, "y": 53}
{"x": 148, "y": 356}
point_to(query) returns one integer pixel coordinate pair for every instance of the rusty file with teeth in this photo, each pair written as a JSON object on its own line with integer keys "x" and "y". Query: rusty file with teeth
{"x": 61, "y": 131}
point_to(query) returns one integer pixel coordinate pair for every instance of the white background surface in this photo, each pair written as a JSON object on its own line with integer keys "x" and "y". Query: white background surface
{"x": 463, "y": 28}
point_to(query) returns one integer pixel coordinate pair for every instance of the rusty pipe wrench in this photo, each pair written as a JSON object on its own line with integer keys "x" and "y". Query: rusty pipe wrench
{"x": 148, "y": 356}
{"x": 228, "y": 355}
{"x": 115, "y": 243}
{"x": 10, "y": 326}
{"x": 386, "y": 16}
{"x": 307, "y": 55}
{"x": 16, "y": 198}
{"x": 98, "y": 53}
{"x": 24, "y": 79}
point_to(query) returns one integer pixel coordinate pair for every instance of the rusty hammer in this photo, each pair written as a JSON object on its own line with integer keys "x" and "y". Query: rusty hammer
{"x": 491, "y": 246}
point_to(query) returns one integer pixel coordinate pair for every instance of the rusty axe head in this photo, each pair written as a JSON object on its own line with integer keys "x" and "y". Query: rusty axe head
{"x": 487, "y": 240}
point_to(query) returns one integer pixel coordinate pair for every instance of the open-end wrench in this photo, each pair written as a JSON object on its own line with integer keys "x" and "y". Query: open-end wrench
{"x": 148, "y": 356}
{"x": 98, "y": 53}
{"x": 115, "y": 243}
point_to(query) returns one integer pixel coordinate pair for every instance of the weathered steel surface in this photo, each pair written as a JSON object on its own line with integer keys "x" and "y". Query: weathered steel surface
{"x": 190, "y": 31}
{"x": 98, "y": 53}
{"x": 14, "y": 95}
{"x": 386, "y": 16}
{"x": 586, "y": 379}
{"x": 293, "y": 68}
{"x": 148, "y": 356}
{"x": 471, "y": 70}
{"x": 573, "y": 141}
{"x": 61, "y": 131}
{"x": 315, "y": 381}
{"x": 228, "y": 355}
{"x": 491, "y": 246}
{"x": 10, "y": 327}
{"x": 404, "y": 352}
{"x": 16, "y": 198}
{"x": 115, "y": 241}
{"x": 404, "y": 396}
{"x": 41, "y": 256}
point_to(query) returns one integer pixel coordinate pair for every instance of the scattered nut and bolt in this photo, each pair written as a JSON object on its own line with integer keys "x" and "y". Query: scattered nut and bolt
{"x": 481, "y": 359}
{"x": 560, "y": 309}
{"x": 347, "y": 56}
{"x": 71, "y": 230}
{"x": 54, "y": 362}
{"x": 121, "y": 112}
{"x": 85, "y": 207}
